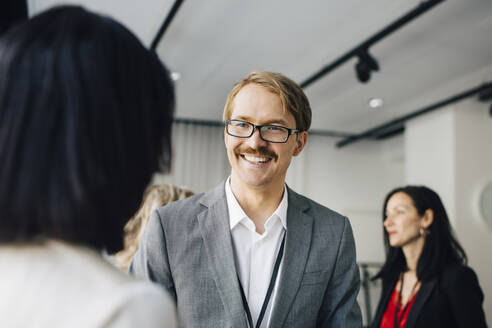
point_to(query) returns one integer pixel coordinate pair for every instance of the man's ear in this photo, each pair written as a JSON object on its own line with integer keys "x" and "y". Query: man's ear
{"x": 427, "y": 218}
{"x": 301, "y": 142}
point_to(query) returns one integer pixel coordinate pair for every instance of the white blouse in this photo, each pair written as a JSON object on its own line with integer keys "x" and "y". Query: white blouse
{"x": 55, "y": 284}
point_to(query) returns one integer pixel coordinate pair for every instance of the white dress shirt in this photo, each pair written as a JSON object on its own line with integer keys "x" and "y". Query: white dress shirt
{"x": 255, "y": 254}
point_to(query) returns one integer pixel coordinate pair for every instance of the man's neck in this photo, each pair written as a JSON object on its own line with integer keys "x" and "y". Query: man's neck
{"x": 259, "y": 203}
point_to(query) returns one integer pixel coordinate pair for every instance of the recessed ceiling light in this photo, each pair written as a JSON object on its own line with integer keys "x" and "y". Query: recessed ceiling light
{"x": 175, "y": 76}
{"x": 375, "y": 102}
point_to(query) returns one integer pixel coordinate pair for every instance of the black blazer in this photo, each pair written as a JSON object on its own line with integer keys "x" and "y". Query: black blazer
{"x": 454, "y": 299}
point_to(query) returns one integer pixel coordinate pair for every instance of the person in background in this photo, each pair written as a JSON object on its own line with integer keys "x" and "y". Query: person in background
{"x": 251, "y": 251}
{"x": 85, "y": 118}
{"x": 154, "y": 197}
{"x": 426, "y": 282}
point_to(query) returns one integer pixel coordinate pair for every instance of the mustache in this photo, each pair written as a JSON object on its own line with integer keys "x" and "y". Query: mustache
{"x": 262, "y": 151}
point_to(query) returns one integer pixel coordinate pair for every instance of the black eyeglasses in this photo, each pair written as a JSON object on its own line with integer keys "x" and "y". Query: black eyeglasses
{"x": 268, "y": 132}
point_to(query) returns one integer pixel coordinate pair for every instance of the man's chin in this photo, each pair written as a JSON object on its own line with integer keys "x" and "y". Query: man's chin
{"x": 256, "y": 182}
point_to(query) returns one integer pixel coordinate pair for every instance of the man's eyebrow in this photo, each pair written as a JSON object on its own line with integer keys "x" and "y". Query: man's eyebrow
{"x": 244, "y": 118}
{"x": 281, "y": 122}
{"x": 274, "y": 121}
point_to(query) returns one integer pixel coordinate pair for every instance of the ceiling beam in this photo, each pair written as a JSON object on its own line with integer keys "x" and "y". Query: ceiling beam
{"x": 165, "y": 24}
{"x": 364, "y": 46}
{"x": 397, "y": 123}
{"x": 331, "y": 133}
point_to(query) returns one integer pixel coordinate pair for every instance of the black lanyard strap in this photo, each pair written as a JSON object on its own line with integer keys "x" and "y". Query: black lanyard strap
{"x": 398, "y": 321}
{"x": 269, "y": 291}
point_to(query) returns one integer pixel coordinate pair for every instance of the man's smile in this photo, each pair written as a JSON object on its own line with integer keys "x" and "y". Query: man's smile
{"x": 255, "y": 159}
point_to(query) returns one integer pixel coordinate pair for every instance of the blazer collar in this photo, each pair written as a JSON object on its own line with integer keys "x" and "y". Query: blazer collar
{"x": 420, "y": 299}
{"x": 214, "y": 196}
{"x": 297, "y": 245}
{"x": 216, "y": 235}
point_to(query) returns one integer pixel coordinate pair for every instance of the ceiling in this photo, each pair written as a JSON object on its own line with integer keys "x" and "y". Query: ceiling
{"x": 214, "y": 43}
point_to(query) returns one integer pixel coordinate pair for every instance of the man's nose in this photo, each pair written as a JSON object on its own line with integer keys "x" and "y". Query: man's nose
{"x": 255, "y": 140}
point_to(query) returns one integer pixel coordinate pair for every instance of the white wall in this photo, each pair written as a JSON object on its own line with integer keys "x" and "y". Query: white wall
{"x": 473, "y": 168}
{"x": 430, "y": 155}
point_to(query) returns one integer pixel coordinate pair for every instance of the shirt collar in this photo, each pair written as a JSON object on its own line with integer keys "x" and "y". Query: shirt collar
{"x": 236, "y": 213}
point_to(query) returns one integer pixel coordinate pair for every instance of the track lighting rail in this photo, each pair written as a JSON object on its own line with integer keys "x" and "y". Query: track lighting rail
{"x": 364, "y": 46}
{"x": 165, "y": 24}
{"x": 397, "y": 123}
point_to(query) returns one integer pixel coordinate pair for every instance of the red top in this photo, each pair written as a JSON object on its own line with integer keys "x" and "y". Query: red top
{"x": 388, "y": 320}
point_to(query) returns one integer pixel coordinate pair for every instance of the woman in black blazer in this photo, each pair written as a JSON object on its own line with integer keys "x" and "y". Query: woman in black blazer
{"x": 426, "y": 282}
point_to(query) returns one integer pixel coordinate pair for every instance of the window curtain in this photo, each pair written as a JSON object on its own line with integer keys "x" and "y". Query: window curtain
{"x": 199, "y": 157}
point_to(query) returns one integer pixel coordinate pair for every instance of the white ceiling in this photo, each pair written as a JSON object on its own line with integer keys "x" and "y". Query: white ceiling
{"x": 214, "y": 43}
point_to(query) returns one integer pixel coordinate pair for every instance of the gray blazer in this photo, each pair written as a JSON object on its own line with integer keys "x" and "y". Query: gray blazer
{"x": 187, "y": 248}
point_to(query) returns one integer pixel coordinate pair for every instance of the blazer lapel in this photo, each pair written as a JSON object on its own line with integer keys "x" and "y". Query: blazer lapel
{"x": 216, "y": 234}
{"x": 297, "y": 245}
{"x": 420, "y": 299}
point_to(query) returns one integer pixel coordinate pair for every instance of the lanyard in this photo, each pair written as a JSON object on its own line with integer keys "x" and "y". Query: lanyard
{"x": 269, "y": 291}
{"x": 398, "y": 321}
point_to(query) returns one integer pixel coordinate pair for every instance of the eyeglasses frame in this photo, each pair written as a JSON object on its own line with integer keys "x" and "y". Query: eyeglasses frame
{"x": 255, "y": 126}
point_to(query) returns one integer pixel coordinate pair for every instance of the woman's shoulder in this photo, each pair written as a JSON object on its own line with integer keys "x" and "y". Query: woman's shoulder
{"x": 455, "y": 275}
{"x": 143, "y": 304}
{"x": 119, "y": 299}
{"x": 460, "y": 285}
{"x": 130, "y": 302}
{"x": 75, "y": 285}
{"x": 457, "y": 271}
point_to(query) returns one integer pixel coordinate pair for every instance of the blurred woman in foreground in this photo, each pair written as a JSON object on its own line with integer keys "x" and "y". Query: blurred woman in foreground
{"x": 426, "y": 282}
{"x": 85, "y": 116}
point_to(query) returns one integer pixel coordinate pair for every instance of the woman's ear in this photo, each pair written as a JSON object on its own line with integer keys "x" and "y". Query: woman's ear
{"x": 427, "y": 218}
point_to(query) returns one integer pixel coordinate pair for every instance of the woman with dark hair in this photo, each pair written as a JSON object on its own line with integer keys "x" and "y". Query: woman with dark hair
{"x": 426, "y": 282}
{"x": 85, "y": 117}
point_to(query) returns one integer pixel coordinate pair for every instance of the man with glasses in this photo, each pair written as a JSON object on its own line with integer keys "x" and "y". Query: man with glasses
{"x": 252, "y": 252}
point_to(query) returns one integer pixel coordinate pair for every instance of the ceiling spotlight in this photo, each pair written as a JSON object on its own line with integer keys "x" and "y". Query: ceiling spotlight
{"x": 365, "y": 66}
{"x": 375, "y": 102}
{"x": 175, "y": 76}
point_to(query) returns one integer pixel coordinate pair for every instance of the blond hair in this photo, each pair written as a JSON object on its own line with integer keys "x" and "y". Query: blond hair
{"x": 154, "y": 197}
{"x": 291, "y": 95}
